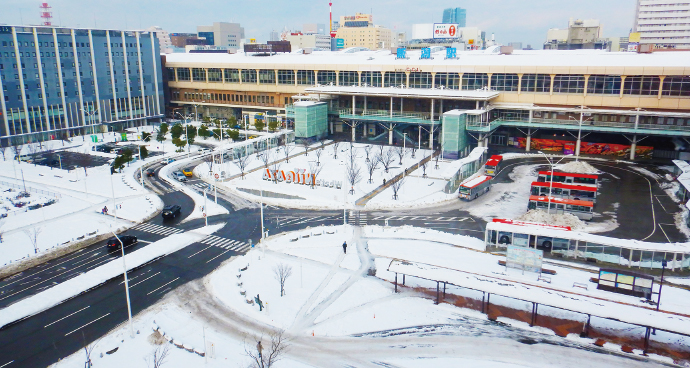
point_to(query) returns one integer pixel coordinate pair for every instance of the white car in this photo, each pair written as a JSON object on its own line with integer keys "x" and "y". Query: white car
{"x": 179, "y": 176}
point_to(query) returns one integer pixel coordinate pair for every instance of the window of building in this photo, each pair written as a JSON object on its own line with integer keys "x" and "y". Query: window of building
{"x": 249, "y": 76}
{"x": 198, "y": 74}
{"x": 569, "y": 83}
{"x": 326, "y": 77}
{"x": 372, "y": 79}
{"x": 348, "y": 78}
{"x": 420, "y": 80}
{"x": 171, "y": 74}
{"x": 676, "y": 85}
{"x": 504, "y": 82}
{"x": 447, "y": 80}
{"x": 286, "y": 77}
{"x": 641, "y": 85}
{"x": 267, "y": 76}
{"x": 306, "y": 77}
{"x": 215, "y": 75}
{"x": 473, "y": 81}
{"x": 540, "y": 83}
{"x": 231, "y": 75}
{"x": 183, "y": 74}
{"x": 604, "y": 84}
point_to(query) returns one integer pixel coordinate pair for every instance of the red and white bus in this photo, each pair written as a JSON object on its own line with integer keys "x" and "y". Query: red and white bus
{"x": 582, "y": 209}
{"x": 569, "y": 178}
{"x": 493, "y": 165}
{"x": 473, "y": 188}
{"x": 566, "y": 191}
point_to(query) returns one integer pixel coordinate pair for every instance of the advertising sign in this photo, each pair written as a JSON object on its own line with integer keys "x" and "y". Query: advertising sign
{"x": 94, "y": 138}
{"x": 339, "y": 43}
{"x": 633, "y": 46}
{"x": 586, "y": 148}
{"x": 445, "y": 30}
{"x": 299, "y": 176}
{"x": 124, "y": 137}
{"x": 526, "y": 259}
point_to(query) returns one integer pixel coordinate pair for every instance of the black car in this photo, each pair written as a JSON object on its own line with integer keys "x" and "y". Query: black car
{"x": 127, "y": 240}
{"x": 171, "y": 211}
{"x": 150, "y": 172}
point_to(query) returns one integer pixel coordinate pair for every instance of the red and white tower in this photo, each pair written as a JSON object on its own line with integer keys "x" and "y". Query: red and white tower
{"x": 330, "y": 12}
{"x": 46, "y": 14}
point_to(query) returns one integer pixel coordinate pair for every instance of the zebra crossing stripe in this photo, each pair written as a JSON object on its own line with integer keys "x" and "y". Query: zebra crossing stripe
{"x": 216, "y": 241}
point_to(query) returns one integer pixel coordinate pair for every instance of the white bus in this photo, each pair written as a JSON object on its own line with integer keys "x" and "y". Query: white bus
{"x": 561, "y": 241}
{"x": 473, "y": 188}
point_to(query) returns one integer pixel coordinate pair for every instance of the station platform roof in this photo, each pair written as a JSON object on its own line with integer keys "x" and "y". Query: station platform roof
{"x": 436, "y": 93}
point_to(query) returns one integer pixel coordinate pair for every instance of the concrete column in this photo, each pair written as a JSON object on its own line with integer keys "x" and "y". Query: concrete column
{"x": 331, "y": 126}
{"x": 364, "y": 109}
{"x": 401, "y": 105}
{"x": 257, "y": 77}
{"x": 553, "y": 76}
{"x": 476, "y": 107}
{"x": 529, "y": 139}
{"x": 337, "y": 77}
{"x": 661, "y": 85}
{"x": 519, "y": 83}
{"x": 316, "y": 77}
{"x": 586, "y": 84}
{"x": 353, "y": 105}
{"x": 359, "y": 78}
{"x": 531, "y": 116}
{"x": 390, "y": 134}
{"x": 354, "y": 125}
{"x": 633, "y": 146}
{"x": 407, "y": 79}
{"x": 480, "y": 141}
{"x": 577, "y": 147}
{"x": 433, "y": 79}
{"x": 239, "y": 74}
{"x": 364, "y": 128}
{"x": 391, "y": 108}
{"x": 622, "y": 86}
{"x": 489, "y": 80}
{"x": 431, "y": 128}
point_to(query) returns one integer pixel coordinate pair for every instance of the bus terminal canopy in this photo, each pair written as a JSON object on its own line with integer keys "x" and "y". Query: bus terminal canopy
{"x": 434, "y": 93}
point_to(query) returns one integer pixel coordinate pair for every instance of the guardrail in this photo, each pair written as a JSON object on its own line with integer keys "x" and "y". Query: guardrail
{"x": 30, "y": 189}
{"x": 575, "y": 123}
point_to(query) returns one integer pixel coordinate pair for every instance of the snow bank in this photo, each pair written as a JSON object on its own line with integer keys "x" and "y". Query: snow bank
{"x": 542, "y": 217}
{"x": 417, "y": 233}
{"x": 73, "y": 287}
{"x": 578, "y": 167}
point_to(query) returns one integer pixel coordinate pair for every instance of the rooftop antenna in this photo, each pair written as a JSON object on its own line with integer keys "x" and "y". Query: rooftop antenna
{"x": 46, "y": 14}
{"x": 330, "y": 12}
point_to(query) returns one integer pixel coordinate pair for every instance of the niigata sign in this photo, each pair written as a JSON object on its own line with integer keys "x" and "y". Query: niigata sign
{"x": 300, "y": 176}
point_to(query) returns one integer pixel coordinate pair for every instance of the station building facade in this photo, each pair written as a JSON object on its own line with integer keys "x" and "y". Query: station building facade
{"x": 516, "y": 99}
{"x": 58, "y": 82}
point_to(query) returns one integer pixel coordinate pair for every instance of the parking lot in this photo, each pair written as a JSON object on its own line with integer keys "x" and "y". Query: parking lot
{"x": 68, "y": 160}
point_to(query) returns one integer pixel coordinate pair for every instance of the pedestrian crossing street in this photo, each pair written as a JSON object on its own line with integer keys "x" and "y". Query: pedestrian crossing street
{"x": 157, "y": 229}
{"x": 422, "y": 218}
{"x": 217, "y": 241}
{"x": 357, "y": 218}
{"x": 203, "y": 186}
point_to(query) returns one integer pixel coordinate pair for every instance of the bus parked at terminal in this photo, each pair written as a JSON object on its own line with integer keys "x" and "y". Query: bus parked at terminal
{"x": 473, "y": 188}
{"x": 565, "y": 191}
{"x": 493, "y": 165}
{"x": 561, "y": 241}
{"x": 569, "y": 178}
{"x": 582, "y": 209}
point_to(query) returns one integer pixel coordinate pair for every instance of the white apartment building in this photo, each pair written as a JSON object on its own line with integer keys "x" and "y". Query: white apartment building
{"x": 311, "y": 41}
{"x": 665, "y": 23}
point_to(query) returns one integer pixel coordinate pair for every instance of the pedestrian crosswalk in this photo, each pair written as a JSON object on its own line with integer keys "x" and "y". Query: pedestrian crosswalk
{"x": 157, "y": 229}
{"x": 203, "y": 186}
{"x": 225, "y": 243}
{"x": 423, "y": 218}
{"x": 357, "y": 218}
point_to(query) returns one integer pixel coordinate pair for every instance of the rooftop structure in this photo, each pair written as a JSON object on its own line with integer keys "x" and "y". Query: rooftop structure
{"x": 663, "y": 23}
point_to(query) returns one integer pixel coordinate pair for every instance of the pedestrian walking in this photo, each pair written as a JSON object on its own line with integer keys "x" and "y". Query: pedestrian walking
{"x": 384, "y": 181}
{"x": 105, "y": 210}
{"x": 259, "y": 348}
{"x": 345, "y": 247}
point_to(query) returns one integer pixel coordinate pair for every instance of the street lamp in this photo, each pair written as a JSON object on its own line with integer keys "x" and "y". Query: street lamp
{"x": 661, "y": 283}
{"x": 551, "y": 182}
{"x": 124, "y": 265}
{"x": 90, "y": 115}
{"x": 185, "y": 117}
{"x": 404, "y": 139}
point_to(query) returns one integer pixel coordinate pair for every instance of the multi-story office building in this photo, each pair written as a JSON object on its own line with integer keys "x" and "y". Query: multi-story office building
{"x": 359, "y": 31}
{"x": 664, "y": 23}
{"x": 311, "y": 41}
{"x": 455, "y": 16}
{"x": 580, "y": 34}
{"x": 496, "y": 99}
{"x": 58, "y": 82}
{"x": 222, "y": 34}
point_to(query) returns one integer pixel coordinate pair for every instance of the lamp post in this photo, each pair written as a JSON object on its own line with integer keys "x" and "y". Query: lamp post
{"x": 90, "y": 115}
{"x": 551, "y": 181}
{"x": 404, "y": 148}
{"x": 661, "y": 283}
{"x": 124, "y": 265}
{"x": 186, "y": 117}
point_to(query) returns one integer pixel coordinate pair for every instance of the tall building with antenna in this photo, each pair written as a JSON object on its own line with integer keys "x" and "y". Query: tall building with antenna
{"x": 46, "y": 14}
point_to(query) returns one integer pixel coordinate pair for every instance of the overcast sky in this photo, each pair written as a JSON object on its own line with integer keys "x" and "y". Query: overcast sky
{"x": 523, "y": 21}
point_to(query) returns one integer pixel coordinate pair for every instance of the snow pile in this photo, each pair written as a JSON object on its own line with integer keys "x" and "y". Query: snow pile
{"x": 578, "y": 167}
{"x": 542, "y": 217}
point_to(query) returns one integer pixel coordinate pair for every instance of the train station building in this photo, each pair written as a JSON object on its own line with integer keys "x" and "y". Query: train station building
{"x": 624, "y": 104}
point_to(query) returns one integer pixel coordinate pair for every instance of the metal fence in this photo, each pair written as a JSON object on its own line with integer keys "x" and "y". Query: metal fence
{"x": 30, "y": 189}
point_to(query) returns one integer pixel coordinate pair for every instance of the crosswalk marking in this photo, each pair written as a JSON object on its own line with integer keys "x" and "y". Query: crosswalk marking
{"x": 157, "y": 229}
{"x": 229, "y": 244}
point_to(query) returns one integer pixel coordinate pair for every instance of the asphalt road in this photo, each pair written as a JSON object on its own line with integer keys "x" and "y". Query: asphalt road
{"x": 44, "y": 338}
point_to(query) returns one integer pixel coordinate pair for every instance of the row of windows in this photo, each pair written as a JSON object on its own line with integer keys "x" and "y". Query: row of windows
{"x": 41, "y": 44}
{"x": 193, "y": 96}
{"x": 76, "y": 93}
{"x": 540, "y": 83}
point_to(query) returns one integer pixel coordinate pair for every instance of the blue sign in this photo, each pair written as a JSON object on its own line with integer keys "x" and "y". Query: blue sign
{"x": 451, "y": 53}
{"x": 426, "y": 53}
{"x": 339, "y": 43}
{"x": 401, "y": 53}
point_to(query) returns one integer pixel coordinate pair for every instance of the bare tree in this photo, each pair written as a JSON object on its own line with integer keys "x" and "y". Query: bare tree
{"x": 424, "y": 165}
{"x": 287, "y": 150}
{"x": 305, "y": 144}
{"x": 266, "y": 157}
{"x": 367, "y": 149}
{"x": 242, "y": 162}
{"x": 436, "y": 160}
{"x": 281, "y": 273}
{"x": 372, "y": 165}
{"x": 386, "y": 158}
{"x": 318, "y": 153}
{"x": 412, "y": 150}
{"x": 381, "y": 147}
{"x": 396, "y": 186}
{"x": 354, "y": 175}
{"x": 315, "y": 170}
{"x": 88, "y": 349}
{"x": 3, "y": 150}
{"x": 353, "y": 154}
{"x": 400, "y": 151}
{"x": 158, "y": 356}
{"x": 34, "y": 148}
{"x": 17, "y": 151}
{"x": 274, "y": 169}
{"x": 208, "y": 159}
{"x": 33, "y": 234}
{"x": 335, "y": 145}
{"x": 267, "y": 357}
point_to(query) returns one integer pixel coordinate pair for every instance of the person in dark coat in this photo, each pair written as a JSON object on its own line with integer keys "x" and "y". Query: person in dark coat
{"x": 345, "y": 247}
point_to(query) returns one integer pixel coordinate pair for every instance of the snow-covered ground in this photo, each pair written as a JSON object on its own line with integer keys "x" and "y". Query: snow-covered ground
{"x": 334, "y": 313}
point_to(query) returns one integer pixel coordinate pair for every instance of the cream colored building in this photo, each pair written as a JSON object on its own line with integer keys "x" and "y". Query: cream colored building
{"x": 373, "y": 38}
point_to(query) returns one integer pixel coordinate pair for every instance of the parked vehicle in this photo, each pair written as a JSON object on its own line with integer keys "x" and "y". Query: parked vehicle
{"x": 179, "y": 176}
{"x": 171, "y": 211}
{"x": 127, "y": 240}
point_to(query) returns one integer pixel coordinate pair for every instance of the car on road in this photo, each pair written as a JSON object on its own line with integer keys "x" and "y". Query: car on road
{"x": 179, "y": 176}
{"x": 166, "y": 161}
{"x": 150, "y": 172}
{"x": 127, "y": 240}
{"x": 188, "y": 173}
{"x": 171, "y": 211}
